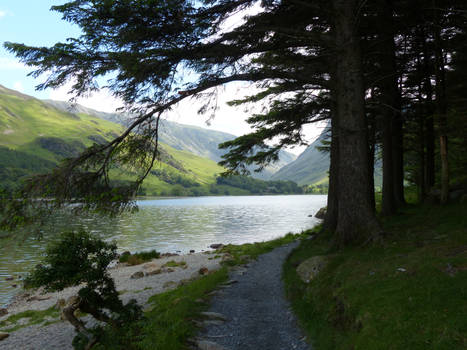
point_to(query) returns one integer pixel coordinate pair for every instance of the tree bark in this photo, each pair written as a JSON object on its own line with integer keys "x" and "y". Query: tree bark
{"x": 356, "y": 218}
{"x": 388, "y": 89}
{"x": 330, "y": 220}
{"x": 441, "y": 102}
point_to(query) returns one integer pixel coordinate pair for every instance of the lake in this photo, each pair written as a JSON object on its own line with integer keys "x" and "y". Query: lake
{"x": 171, "y": 225}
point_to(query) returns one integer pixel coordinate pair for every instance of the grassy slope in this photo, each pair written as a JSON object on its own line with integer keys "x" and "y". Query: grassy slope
{"x": 23, "y": 120}
{"x": 362, "y": 301}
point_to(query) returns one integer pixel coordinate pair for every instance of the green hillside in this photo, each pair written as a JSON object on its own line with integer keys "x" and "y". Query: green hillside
{"x": 199, "y": 141}
{"x": 34, "y": 136}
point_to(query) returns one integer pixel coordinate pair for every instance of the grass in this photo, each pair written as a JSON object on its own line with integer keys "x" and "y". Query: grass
{"x": 30, "y": 317}
{"x": 409, "y": 293}
{"x": 139, "y": 258}
{"x": 168, "y": 322}
{"x": 240, "y": 254}
{"x": 173, "y": 263}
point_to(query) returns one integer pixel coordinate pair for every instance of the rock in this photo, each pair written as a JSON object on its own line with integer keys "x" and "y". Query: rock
{"x": 153, "y": 272}
{"x": 167, "y": 269}
{"x": 168, "y": 255}
{"x": 321, "y": 213}
{"x": 311, "y": 267}
{"x": 14, "y": 285}
{"x": 60, "y": 303}
{"x": 203, "y": 271}
{"x": 3, "y": 336}
{"x": 227, "y": 257}
{"x": 9, "y": 278}
{"x": 137, "y": 274}
{"x": 230, "y": 282}
{"x": 37, "y": 298}
{"x": 150, "y": 266}
{"x": 192, "y": 251}
{"x": 170, "y": 284}
{"x": 213, "y": 316}
{"x": 216, "y": 246}
{"x": 208, "y": 345}
{"x": 207, "y": 323}
{"x": 3, "y": 312}
{"x": 310, "y": 216}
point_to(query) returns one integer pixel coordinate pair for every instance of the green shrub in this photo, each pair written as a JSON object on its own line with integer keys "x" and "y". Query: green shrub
{"x": 80, "y": 259}
{"x": 138, "y": 258}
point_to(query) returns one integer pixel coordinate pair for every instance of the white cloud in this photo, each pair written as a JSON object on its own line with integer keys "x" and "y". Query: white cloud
{"x": 100, "y": 101}
{"x": 7, "y": 63}
{"x": 2, "y": 13}
{"x": 18, "y": 86}
{"x": 226, "y": 118}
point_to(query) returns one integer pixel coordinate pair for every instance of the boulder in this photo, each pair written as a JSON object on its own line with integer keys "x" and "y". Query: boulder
{"x": 3, "y": 336}
{"x": 216, "y": 246}
{"x": 213, "y": 316}
{"x": 3, "y": 312}
{"x": 192, "y": 251}
{"x": 203, "y": 271}
{"x": 137, "y": 274}
{"x": 208, "y": 345}
{"x": 321, "y": 213}
{"x": 9, "y": 278}
{"x": 311, "y": 267}
{"x": 150, "y": 266}
{"x": 153, "y": 272}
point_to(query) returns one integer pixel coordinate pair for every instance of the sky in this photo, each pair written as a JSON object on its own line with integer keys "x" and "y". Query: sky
{"x": 31, "y": 22}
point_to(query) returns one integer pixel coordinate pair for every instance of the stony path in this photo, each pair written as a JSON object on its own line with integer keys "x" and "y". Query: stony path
{"x": 258, "y": 314}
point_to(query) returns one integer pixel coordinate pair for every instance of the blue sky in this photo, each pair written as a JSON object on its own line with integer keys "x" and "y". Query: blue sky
{"x": 32, "y": 23}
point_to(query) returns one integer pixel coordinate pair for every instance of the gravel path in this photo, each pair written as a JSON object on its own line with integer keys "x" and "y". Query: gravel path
{"x": 258, "y": 314}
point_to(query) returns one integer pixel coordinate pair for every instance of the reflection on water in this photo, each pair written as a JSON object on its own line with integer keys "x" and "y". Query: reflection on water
{"x": 171, "y": 225}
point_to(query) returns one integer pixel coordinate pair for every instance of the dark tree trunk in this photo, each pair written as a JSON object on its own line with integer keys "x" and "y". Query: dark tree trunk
{"x": 388, "y": 87}
{"x": 371, "y": 158}
{"x": 430, "y": 152}
{"x": 356, "y": 218}
{"x": 429, "y": 122}
{"x": 330, "y": 220}
{"x": 441, "y": 103}
{"x": 421, "y": 154}
{"x": 398, "y": 155}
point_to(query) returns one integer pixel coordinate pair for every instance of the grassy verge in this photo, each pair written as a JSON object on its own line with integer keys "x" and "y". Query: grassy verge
{"x": 168, "y": 322}
{"x": 409, "y": 293}
{"x": 29, "y": 318}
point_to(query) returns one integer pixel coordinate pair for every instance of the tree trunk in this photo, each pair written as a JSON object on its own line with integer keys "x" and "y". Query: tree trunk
{"x": 388, "y": 87}
{"x": 441, "y": 103}
{"x": 356, "y": 218}
{"x": 371, "y": 124}
{"x": 330, "y": 220}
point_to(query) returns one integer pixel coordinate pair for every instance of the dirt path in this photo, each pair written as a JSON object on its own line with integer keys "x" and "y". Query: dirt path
{"x": 258, "y": 314}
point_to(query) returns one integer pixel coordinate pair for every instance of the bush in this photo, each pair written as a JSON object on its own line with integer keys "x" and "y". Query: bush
{"x": 80, "y": 259}
{"x": 138, "y": 258}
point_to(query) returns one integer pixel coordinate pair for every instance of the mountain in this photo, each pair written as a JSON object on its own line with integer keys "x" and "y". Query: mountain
{"x": 200, "y": 141}
{"x": 310, "y": 167}
{"x": 35, "y": 136}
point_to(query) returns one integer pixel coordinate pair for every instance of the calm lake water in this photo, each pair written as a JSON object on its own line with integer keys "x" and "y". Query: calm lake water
{"x": 171, "y": 225}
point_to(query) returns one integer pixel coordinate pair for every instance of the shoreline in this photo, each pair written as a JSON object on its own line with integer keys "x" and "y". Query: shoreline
{"x": 156, "y": 278}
